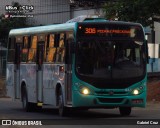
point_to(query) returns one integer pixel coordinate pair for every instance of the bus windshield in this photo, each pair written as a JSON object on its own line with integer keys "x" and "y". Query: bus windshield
{"x": 103, "y": 62}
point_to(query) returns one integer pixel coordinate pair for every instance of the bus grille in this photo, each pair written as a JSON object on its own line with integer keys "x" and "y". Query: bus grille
{"x": 110, "y": 100}
{"x": 107, "y": 93}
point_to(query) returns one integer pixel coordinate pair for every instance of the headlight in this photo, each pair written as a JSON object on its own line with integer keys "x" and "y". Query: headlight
{"x": 136, "y": 92}
{"x": 85, "y": 91}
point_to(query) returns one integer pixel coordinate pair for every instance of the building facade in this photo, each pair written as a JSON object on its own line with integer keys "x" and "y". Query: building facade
{"x": 53, "y": 11}
{"x": 45, "y": 11}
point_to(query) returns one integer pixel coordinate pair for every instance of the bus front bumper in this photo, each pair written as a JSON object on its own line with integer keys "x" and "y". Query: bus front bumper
{"x": 93, "y": 101}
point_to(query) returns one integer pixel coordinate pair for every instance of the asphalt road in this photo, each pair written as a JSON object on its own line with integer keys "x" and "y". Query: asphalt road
{"x": 93, "y": 117}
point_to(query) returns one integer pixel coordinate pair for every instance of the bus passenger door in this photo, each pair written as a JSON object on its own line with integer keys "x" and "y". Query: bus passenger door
{"x": 18, "y": 48}
{"x": 39, "y": 87}
{"x": 69, "y": 72}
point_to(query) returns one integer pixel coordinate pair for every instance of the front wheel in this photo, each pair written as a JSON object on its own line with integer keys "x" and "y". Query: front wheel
{"x": 125, "y": 111}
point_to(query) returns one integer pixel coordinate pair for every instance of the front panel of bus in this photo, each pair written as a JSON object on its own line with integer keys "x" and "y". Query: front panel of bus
{"x": 109, "y": 67}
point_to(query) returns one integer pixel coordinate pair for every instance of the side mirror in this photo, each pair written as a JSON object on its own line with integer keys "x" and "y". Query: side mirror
{"x": 148, "y": 57}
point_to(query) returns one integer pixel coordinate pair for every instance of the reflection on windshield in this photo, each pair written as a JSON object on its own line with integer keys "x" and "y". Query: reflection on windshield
{"x": 109, "y": 59}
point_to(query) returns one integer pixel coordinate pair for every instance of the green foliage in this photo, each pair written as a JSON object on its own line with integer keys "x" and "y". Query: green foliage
{"x": 141, "y": 11}
{"x": 6, "y": 24}
{"x": 9, "y": 23}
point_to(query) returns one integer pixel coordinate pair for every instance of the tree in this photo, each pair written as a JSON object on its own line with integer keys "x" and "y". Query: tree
{"x": 8, "y": 23}
{"x": 141, "y": 11}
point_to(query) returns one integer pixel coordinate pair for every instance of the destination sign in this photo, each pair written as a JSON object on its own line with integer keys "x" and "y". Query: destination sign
{"x": 94, "y": 31}
{"x": 110, "y": 31}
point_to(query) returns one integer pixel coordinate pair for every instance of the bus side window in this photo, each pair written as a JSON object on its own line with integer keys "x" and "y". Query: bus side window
{"x": 11, "y": 50}
{"x": 32, "y": 50}
{"x": 25, "y": 49}
{"x": 51, "y": 50}
{"x": 51, "y": 55}
{"x": 60, "y": 56}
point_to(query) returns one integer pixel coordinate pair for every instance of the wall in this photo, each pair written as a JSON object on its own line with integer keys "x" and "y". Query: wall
{"x": 51, "y": 11}
{"x": 45, "y": 11}
{"x": 86, "y": 11}
{"x": 157, "y": 32}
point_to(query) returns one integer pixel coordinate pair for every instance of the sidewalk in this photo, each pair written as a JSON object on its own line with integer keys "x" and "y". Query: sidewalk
{"x": 153, "y": 89}
{"x": 151, "y": 105}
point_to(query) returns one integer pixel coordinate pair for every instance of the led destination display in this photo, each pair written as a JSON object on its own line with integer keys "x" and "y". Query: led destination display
{"x": 109, "y": 30}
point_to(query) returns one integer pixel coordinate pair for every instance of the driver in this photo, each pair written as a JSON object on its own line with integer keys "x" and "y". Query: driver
{"x": 122, "y": 57}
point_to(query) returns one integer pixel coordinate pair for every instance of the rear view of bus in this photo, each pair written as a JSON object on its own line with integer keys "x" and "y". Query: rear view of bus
{"x": 109, "y": 67}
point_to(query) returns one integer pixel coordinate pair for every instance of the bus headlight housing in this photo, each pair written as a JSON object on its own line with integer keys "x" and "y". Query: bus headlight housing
{"x": 85, "y": 90}
{"x": 135, "y": 92}
{"x": 138, "y": 90}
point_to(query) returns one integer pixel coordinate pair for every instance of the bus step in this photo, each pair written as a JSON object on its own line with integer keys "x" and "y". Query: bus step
{"x": 69, "y": 106}
{"x": 39, "y": 104}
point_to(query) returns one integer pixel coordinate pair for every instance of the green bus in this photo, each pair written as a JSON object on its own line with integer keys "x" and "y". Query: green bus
{"x": 90, "y": 64}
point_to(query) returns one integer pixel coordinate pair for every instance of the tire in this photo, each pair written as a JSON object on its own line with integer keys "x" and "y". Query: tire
{"x": 61, "y": 107}
{"x": 125, "y": 111}
{"x": 27, "y": 106}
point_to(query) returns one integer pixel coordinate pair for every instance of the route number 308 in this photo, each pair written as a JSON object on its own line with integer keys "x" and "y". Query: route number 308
{"x": 90, "y": 30}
